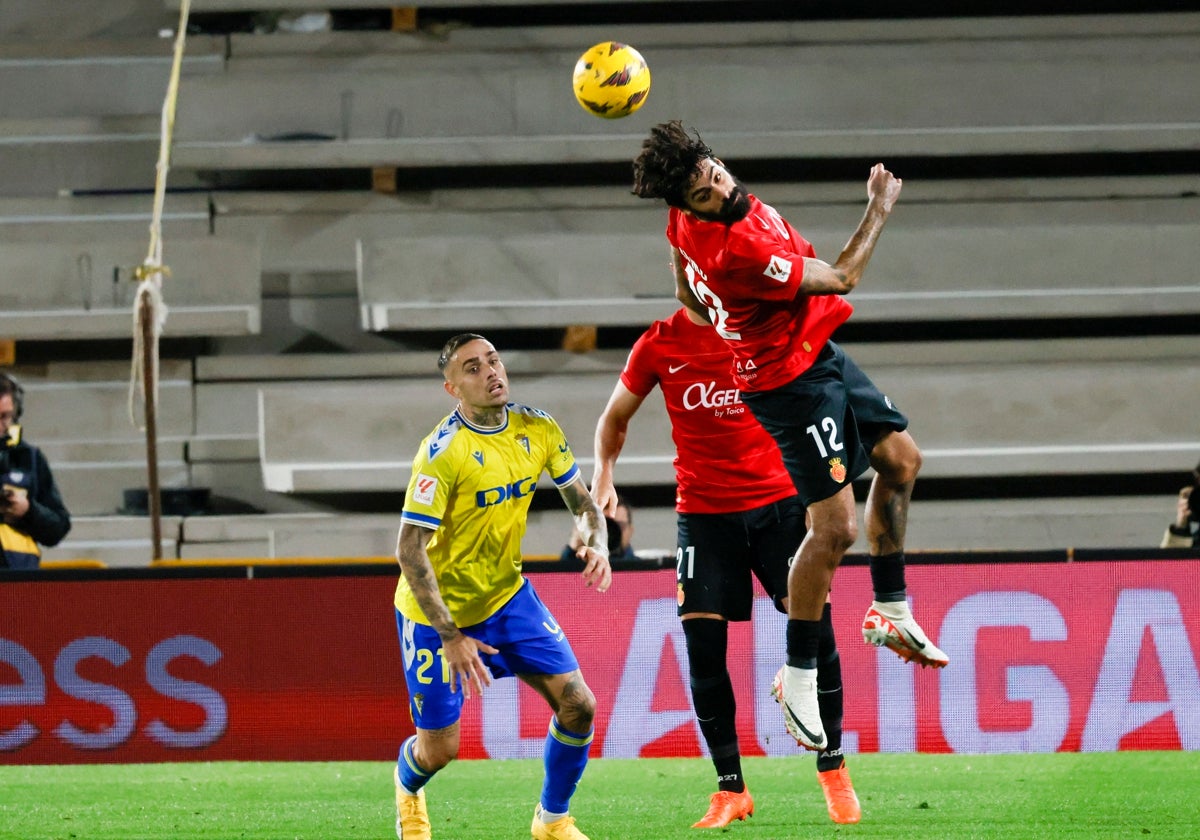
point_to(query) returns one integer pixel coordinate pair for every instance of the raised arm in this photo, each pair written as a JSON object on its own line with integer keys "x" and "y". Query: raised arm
{"x": 821, "y": 278}
{"x": 459, "y": 652}
{"x": 589, "y": 522}
{"x": 611, "y": 430}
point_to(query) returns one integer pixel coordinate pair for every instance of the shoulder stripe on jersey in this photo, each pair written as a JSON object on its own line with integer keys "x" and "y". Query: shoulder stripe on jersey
{"x": 443, "y": 434}
{"x": 431, "y": 522}
{"x": 529, "y": 410}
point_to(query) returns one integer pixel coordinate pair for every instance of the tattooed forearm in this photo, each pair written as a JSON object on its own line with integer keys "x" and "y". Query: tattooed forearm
{"x": 589, "y": 520}
{"x": 418, "y": 571}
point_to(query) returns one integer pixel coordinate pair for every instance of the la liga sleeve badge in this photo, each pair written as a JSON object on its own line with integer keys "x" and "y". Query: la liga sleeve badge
{"x": 425, "y": 488}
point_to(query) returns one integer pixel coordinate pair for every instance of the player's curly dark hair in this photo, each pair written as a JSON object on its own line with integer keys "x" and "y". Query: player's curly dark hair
{"x": 669, "y": 160}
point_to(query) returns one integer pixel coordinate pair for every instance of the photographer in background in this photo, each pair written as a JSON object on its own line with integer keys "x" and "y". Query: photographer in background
{"x": 1184, "y": 531}
{"x": 34, "y": 513}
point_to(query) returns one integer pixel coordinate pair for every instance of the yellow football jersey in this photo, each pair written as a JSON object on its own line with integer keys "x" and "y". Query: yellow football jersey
{"x": 473, "y": 487}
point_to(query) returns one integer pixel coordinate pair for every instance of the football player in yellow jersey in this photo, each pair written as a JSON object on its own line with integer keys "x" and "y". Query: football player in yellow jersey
{"x": 464, "y": 612}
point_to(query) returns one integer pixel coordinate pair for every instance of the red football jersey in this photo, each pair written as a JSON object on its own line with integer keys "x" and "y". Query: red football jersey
{"x": 748, "y": 275}
{"x": 724, "y": 461}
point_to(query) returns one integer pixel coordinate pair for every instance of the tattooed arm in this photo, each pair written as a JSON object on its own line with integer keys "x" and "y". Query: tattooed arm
{"x": 589, "y": 522}
{"x": 461, "y": 653}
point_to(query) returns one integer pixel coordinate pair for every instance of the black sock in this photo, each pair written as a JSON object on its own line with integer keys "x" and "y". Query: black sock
{"x": 712, "y": 696}
{"x": 803, "y": 642}
{"x": 829, "y": 696}
{"x": 887, "y": 577}
{"x": 729, "y": 772}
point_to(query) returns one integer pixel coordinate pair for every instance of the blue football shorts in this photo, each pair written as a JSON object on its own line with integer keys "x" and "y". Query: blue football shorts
{"x": 527, "y": 636}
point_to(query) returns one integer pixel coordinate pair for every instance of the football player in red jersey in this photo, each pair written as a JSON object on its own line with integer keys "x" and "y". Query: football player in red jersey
{"x": 743, "y": 268}
{"x": 739, "y": 515}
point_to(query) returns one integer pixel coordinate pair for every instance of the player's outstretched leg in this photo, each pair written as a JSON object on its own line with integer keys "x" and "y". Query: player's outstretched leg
{"x": 412, "y": 819}
{"x": 832, "y": 530}
{"x": 891, "y": 624}
{"x": 795, "y": 689}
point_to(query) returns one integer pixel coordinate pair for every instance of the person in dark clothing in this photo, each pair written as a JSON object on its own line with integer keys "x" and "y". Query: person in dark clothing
{"x": 33, "y": 511}
{"x": 1183, "y": 531}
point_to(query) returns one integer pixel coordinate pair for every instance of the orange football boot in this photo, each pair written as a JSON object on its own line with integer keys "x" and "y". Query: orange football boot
{"x": 840, "y": 797}
{"x": 725, "y": 807}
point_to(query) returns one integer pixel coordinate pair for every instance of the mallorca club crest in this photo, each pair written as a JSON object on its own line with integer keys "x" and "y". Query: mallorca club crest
{"x": 837, "y": 470}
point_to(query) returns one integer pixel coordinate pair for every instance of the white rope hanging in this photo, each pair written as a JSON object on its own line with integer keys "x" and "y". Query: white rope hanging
{"x": 149, "y": 297}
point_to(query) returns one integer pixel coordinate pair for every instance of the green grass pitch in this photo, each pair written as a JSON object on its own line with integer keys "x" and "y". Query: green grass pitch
{"x": 1007, "y": 797}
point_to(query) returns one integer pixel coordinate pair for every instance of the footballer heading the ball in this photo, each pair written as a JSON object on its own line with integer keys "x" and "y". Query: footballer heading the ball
{"x": 611, "y": 80}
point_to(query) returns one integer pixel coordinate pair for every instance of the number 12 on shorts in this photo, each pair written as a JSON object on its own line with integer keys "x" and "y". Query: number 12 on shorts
{"x": 831, "y": 431}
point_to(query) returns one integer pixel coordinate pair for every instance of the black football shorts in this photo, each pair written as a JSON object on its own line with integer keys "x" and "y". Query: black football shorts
{"x": 716, "y": 554}
{"x": 826, "y": 421}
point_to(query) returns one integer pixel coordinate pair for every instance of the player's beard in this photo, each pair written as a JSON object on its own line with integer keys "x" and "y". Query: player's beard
{"x": 733, "y": 209}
